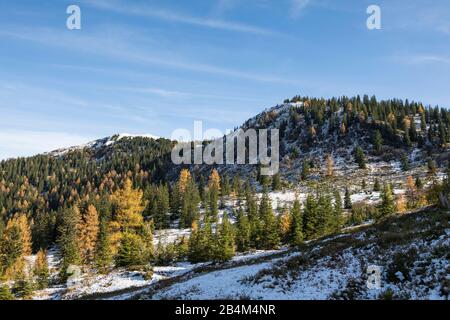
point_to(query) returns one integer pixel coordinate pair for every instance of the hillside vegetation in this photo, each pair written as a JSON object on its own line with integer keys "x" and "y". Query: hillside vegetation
{"x": 106, "y": 208}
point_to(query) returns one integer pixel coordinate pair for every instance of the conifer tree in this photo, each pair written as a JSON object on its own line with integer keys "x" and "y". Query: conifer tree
{"x": 165, "y": 253}
{"x": 329, "y": 166}
{"x": 254, "y": 219}
{"x": 206, "y": 240}
{"x": 190, "y": 207}
{"x": 88, "y": 234}
{"x": 442, "y": 135}
{"x": 269, "y": 234}
{"x": 360, "y": 157}
{"x": 400, "y": 204}
{"x": 184, "y": 179}
{"x": 363, "y": 184}
{"x": 68, "y": 241}
{"x": 418, "y": 183}
{"x": 41, "y": 270}
{"x": 213, "y": 204}
{"x": 378, "y": 142}
{"x": 194, "y": 251}
{"x": 147, "y": 241}
{"x": 201, "y": 246}
{"x": 15, "y": 244}
{"x": 160, "y": 208}
{"x": 127, "y": 217}
{"x": 296, "y": 231}
{"x": 176, "y": 201}
{"x": 387, "y": 204}
{"x": 43, "y": 229}
{"x": 310, "y": 217}
{"x": 407, "y": 139}
{"x": 21, "y": 222}
{"x": 405, "y": 162}
{"x": 214, "y": 180}
{"x": 225, "y": 186}
{"x": 423, "y": 123}
{"x": 242, "y": 231}
{"x": 343, "y": 128}
{"x": 182, "y": 248}
{"x": 103, "y": 252}
{"x": 237, "y": 185}
{"x": 264, "y": 180}
{"x": 347, "y": 199}
{"x": 431, "y": 167}
{"x": 413, "y": 131}
{"x": 337, "y": 219}
{"x": 225, "y": 245}
{"x": 23, "y": 288}
{"x": 5, "y": 293}
{"x": 411, "y": 193}
{"x": 130, "y": 251}
{"x": 284, "y": 224}
{"x": 376, "y": 185}
{"x": 213, "y": 194}
{"x": 324, "y": 216}
{"x": 305, "y": 170}
{"x": 11, "y": 253}
{"x": 128, "y": 207}
{"x": 276, "y": 182}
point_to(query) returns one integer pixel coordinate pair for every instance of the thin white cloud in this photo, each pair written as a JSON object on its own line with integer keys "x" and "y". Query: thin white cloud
{"x": 423, "y": 59}
{"x": 117, "y": 47}
{"x": 172, "y": 16}
{"x": 160, "y": 92}
{"x": 183, "y": 94}
{"x": 297, "y": 7}
{"x": 222, "y": 6}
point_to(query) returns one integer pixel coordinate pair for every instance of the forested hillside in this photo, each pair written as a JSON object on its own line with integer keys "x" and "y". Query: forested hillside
{"x": 101, "y": 205}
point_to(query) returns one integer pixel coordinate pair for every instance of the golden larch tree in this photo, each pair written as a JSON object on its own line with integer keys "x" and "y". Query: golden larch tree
{"x": 128, "y": 208}
{"x": 89, "y": 230}
{"x": 330, "y": 166}
{"x": 343, "y": 129}
{"x": 411, "y": 192}
{"x": 185, "y": 178}
{"x": 214, "y": 180}
{"x": 400, "y": 204}
{"x": 285, "y": 223}
{"x": 21, "y": 222}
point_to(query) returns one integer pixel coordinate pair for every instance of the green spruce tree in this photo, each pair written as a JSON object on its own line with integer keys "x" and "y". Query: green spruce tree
{"x": 360, "y": 157}
{"x": 387, "y": 201}
{"x": 242, "y": 231}
{"x": 68, "y": 239}
{"x": 276, "y": 182}
{"x": 296, "y": 232}
{"x": 376, "y": 185}
{"x": 5, "y": 293}
{"x": 103, "y": 255}
{"x": 270, "y": 238}
{"x": 378, "y": 142}
{"x": 225, "y": 245}
{"x": 310, "y": 217}
{"x": 337, "y": 218}
{"x": 347, "y": 199}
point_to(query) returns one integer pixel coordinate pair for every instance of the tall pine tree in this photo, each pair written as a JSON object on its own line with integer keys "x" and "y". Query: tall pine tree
{"x": 296, "y": 232}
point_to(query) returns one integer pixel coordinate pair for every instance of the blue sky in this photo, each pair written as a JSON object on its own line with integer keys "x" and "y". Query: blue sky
{"x": 155, "y": 66}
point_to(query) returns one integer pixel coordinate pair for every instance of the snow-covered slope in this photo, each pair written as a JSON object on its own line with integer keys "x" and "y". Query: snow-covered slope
{"x": 96, "y": 144}
{"x": 412, "y": 252}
